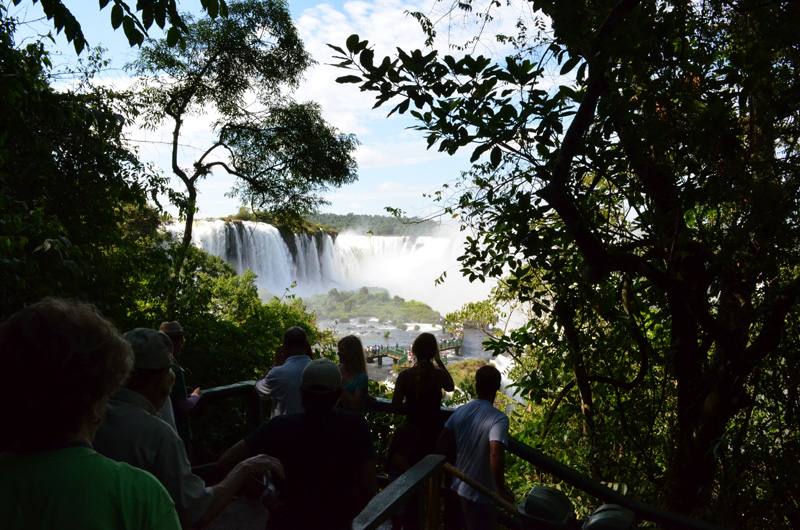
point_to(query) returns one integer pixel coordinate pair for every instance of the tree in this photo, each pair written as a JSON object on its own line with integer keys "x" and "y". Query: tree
{"x": 163, "y": 12}
{"x": 281, "y": 152}
{"x": 654, "y": 198}
{"x": 66, "y": 178}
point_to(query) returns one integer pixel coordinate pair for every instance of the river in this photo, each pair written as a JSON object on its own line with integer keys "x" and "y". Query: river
{"x": 373, "y": 333}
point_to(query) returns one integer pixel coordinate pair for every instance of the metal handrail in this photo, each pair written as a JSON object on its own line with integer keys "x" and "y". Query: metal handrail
{"x": 665, "y": 519}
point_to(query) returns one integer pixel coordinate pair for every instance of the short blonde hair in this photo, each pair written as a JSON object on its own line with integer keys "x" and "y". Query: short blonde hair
{"x": 351, "y": 354}
{"x": 57, "y": 359}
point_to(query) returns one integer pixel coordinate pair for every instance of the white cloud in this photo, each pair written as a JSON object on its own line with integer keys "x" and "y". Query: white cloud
{"x": 385, "y": 25}
{"x": 392, "y": 186}
{"x": 390, "y": 153}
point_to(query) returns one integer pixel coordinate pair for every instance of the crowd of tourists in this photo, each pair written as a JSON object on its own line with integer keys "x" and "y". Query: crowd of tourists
{"x": 96, "y": 430}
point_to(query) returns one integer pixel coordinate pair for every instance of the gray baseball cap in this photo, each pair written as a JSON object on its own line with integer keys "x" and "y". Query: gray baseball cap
{"x": 152, "y": 349}
{"x": 321, "y": 376}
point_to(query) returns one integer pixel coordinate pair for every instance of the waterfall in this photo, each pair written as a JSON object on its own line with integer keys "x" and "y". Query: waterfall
{"x": 504, "y": 363}
{"x": 407, "y": 266}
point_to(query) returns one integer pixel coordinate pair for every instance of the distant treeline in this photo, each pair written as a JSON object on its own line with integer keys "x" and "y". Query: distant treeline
{"x": 379, "y": 225}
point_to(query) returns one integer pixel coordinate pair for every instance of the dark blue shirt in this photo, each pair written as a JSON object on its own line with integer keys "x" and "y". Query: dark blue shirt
{"x": 320, "y": 458}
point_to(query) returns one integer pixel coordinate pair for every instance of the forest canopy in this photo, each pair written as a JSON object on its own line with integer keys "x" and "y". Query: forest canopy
{"x": 77, "y": 220}
{"x": 378, "y": 225}
{"x": 646, "y": 205}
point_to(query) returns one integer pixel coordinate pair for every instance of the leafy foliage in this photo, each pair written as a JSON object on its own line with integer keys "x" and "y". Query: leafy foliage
{"x": 58, "y": 153}
{"x": 239, "y": 67}
{"x": 134, "y": 22}
{"x": 74, "y": 222}
{"x": 647, "y": 205}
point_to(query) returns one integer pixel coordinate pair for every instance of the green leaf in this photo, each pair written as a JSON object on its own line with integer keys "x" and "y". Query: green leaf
{"x": 581, "y": 72}
{"x": 213, "y": 9}
{"x": 135, "y": 36}
{"x": 160, "y": 17}
{"x": 349, "y": 79}
{"x": 336, "y": 48}
{"x": 116, "y": 16}
{"x": 147, "y": 17}
{"x": 173, "y": 36}
{"x": 476, "y": 154}
{"x": 401, "y": 108}
{"x": 366, "y": 59}
{"x": 570, "y": 64}
{"x": 496, "y": 156}
{"x": 352, "y": 43}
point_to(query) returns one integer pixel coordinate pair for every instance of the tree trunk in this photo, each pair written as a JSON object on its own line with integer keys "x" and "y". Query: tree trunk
{"x": 172, "y": 295}
{"x": 566, "y": 317}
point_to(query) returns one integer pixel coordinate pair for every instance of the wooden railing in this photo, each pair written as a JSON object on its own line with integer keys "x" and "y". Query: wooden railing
{"x": 398, "y": 354}
{"x": 424, "y": 476}
{"x": 245, "y": 389}
{"x": 397, "y": 493}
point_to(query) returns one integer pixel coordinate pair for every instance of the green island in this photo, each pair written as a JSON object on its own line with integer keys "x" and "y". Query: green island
{"x": 371, "y": 302}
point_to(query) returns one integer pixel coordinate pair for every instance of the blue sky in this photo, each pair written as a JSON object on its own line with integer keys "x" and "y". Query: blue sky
{"x": 395, "y": 167}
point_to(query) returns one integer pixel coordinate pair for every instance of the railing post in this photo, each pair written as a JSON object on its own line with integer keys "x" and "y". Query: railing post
{"x": 434, "y": 487}
{"x": 253, "y": 409}
{"x": 420, "y": 499}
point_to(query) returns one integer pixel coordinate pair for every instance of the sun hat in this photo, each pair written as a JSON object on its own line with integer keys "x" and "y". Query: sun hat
{"x": 152, "y": 349}
{"x": 321, "y": 376}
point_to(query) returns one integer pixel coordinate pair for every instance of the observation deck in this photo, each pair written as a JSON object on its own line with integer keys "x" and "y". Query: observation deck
{"x": 422, "y": 484}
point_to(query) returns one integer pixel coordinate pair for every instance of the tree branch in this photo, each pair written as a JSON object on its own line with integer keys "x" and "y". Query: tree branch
{"x": 556, "y": 191}
{"x": 774, "y": 324}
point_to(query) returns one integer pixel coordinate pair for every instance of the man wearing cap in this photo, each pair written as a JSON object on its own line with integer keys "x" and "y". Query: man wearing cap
{"x": 281, "y": 385}
{"x": 327, "y": 456}
{"x": 133, "y": 433}
{"x": 176, "y": 409}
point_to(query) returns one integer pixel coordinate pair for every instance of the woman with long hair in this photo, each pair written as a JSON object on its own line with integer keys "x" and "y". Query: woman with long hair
{"x": 419, "y": 390}
{"x": 353, "y": 364}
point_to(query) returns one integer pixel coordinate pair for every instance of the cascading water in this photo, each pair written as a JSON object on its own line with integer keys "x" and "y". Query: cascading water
{"x": 407, "y": 266}
{"x": 504, "y": 363}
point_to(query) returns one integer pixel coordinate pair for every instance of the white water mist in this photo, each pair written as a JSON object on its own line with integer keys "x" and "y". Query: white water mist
{"x": 407, "y": 266}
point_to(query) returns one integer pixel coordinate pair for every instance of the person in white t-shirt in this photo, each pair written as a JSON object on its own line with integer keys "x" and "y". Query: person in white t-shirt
{"x": 480, "y": 432}
{"x": 281, "y": 385}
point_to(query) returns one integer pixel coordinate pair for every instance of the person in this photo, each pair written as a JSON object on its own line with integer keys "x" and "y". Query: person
{"x": 418, "y": 393}
{"x": 176, "y": 409}
{"x": 327, "y": 456}
{"x": 281, "y": 385}
{"x": 480, "y": 432}
{"x": 353, "y": 365}
{"x": 59, "y": 362}
{"x": 133, "y": 433}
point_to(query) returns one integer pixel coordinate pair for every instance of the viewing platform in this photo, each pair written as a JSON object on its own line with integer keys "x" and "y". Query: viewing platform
{"x": 403, "y": 355}
{"x": 422, "y": 485}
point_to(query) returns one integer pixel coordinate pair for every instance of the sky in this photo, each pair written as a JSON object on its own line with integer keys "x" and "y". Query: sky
{"x": 395, "y": 168}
